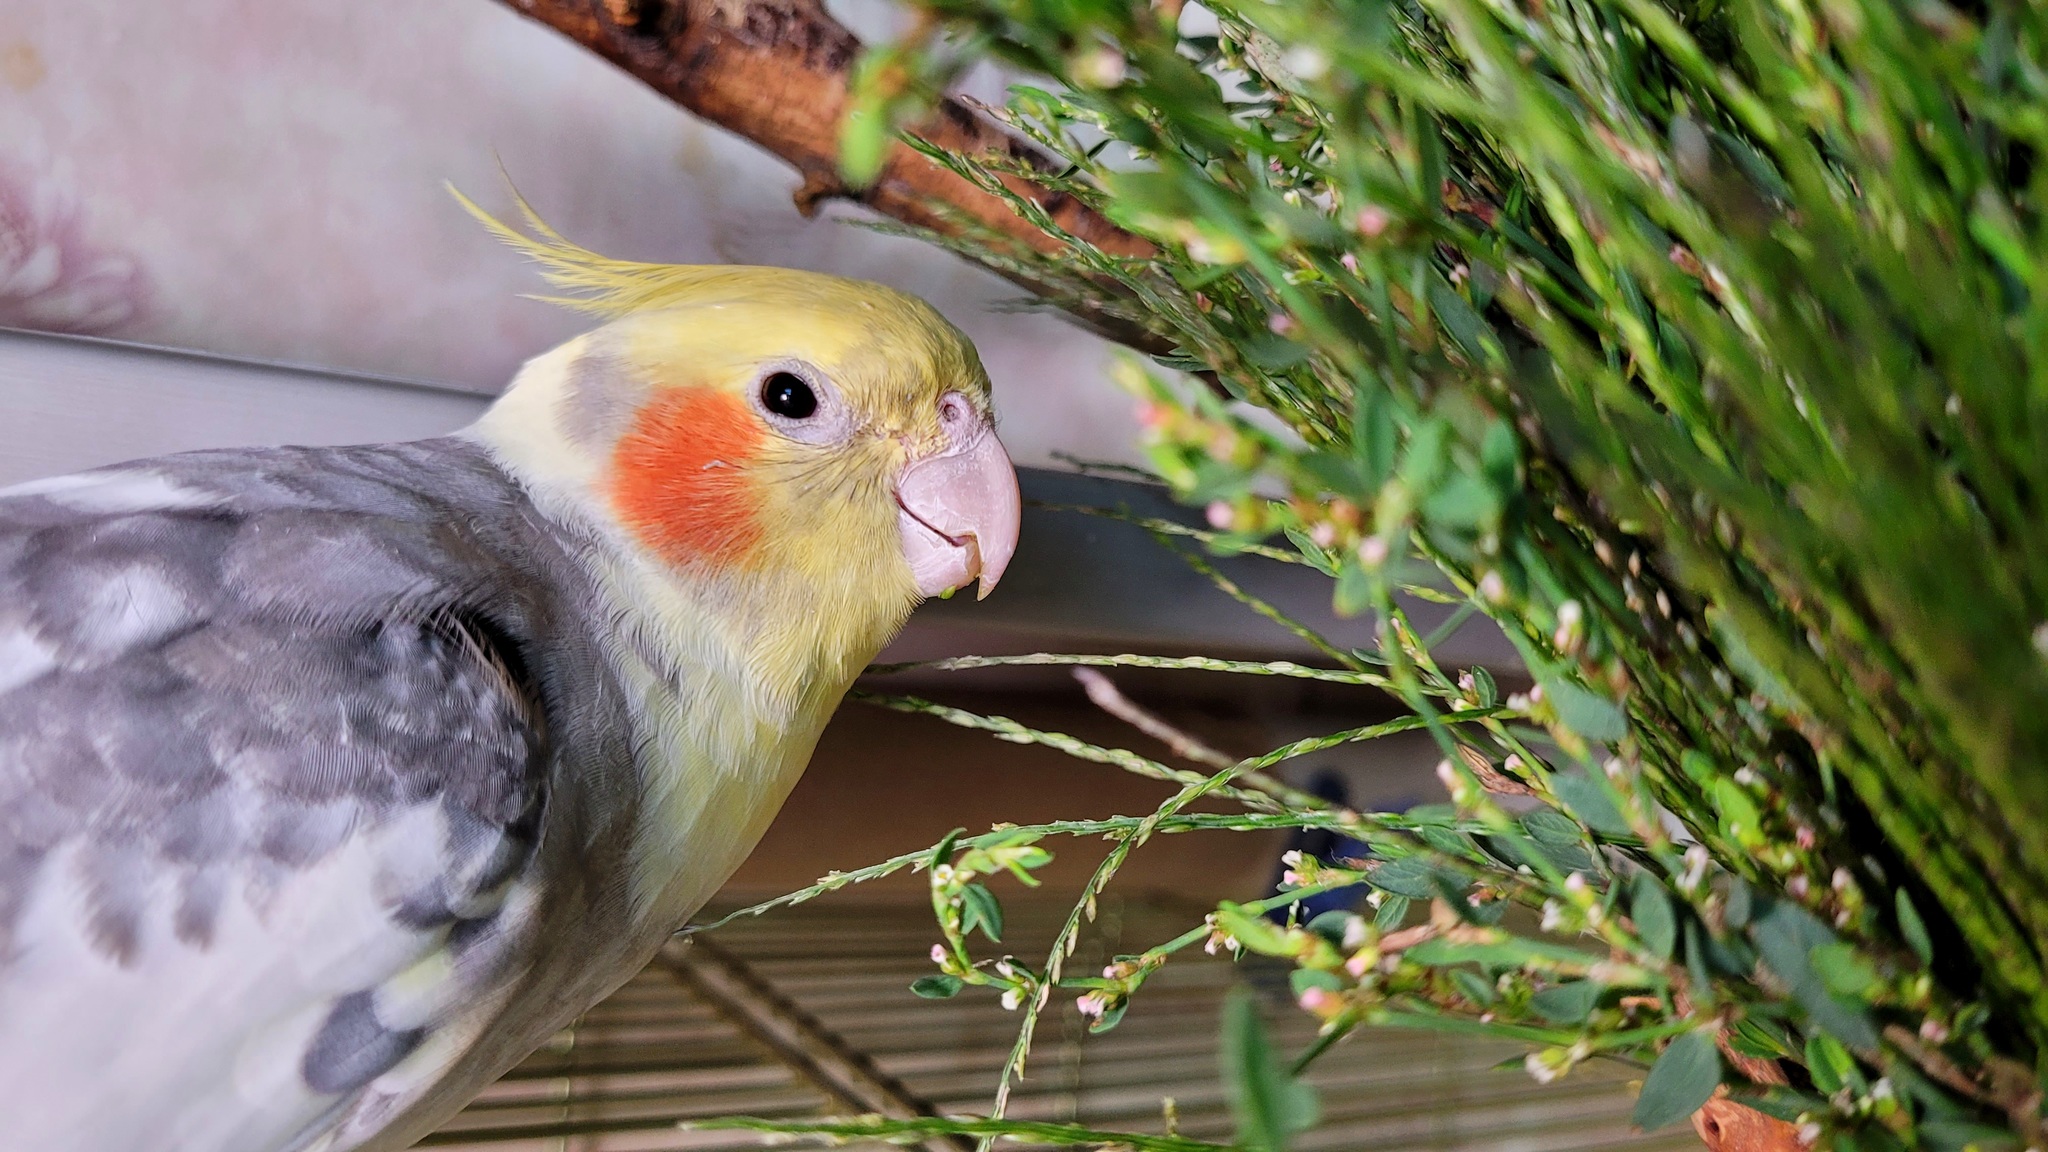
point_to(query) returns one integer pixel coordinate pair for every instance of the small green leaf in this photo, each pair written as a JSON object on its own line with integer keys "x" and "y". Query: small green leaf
{"x": 1740, "y": 820}
{"x": 1567, "y": 1003}
{"x": 1844, "y": 971}
{"x": 1506, "y": 952}
{"x": 1110, "y": 1018}
{"x": 1482, "y": 683}
{"x": 1393, "y": 910}
{"x": 1448, "y": 841}
{"x": 1332, "y": 925}
{"x": 1464, "y": 502}
{"x": 1303, "y": 979}
{"x": 1681, "y": 1080}
{"x": 1475, "y": 987}
{"x": 1590, "y": 803}
{"x": 1591, "y": 716}
{"x": 1423, "y": 463}
{"x": 938, "y": 986}
{"x": 1650, "y": 908}
{"x": 1741, "y": 901}
{"x": 1458, "y": 318}
{"x": 980, "y": 909}
{"x": 1499, "y": 455}
{"x": 1559, "y": 838}
{"x": 864, "y": 140}
{"x": 1914, "y": 929}
{"x": 1273, "y": 353}
{"x": 1830, "y": 1064}
{"x": 1268, "y": 1104}
{"x": 1253, "y": 930}
{"x": 1405, "y": 876}
{"x": 1354, "y": 592}
{"x": 1318, "y": 556}
{"x": 943, "y": 850}
{"x": 1757, "y": 1039}
{"x": 1790, "y": 938}
{"x": 1745, "y": 663}
{"x": 1554, "y": 828}
{"x": 1375, "y": 437}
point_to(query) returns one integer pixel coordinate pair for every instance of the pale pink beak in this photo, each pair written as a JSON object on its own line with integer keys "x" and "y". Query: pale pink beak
{"x": 958, "y": 509}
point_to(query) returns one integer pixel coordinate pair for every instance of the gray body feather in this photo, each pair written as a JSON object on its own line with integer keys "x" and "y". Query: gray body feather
{"x": 302, "y": 751}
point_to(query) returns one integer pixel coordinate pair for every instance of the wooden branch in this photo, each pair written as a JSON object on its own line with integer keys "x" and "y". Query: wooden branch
{"x": 1724, "y": 1125}
{"x": 776, "y": 72}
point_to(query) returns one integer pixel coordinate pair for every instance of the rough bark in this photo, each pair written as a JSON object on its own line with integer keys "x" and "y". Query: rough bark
{"x": 776, "y": 72}
{"x": 1726, "y": 1126}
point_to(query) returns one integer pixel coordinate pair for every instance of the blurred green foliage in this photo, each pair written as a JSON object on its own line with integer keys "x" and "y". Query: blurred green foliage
{"x": 1702, "y": 346}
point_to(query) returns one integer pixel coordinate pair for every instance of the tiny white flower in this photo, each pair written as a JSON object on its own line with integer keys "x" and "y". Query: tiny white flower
{"x": 1306, "y": 62}
{"x": 1012, "y": 999}
{"x": 1493, "y": 587}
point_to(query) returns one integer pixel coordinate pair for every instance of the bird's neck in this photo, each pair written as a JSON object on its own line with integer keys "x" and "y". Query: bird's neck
{"x": 731, "y": 675}
{"x": 723, "y": 730}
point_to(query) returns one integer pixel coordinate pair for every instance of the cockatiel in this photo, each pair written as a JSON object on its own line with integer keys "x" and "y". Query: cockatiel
{"x": 333, "y": 781}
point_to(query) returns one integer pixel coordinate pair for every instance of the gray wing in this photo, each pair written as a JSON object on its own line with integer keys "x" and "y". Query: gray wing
{"x": 270, "y": 771}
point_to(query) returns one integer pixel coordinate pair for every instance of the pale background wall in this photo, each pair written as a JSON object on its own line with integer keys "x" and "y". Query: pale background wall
{"x": 264, "y": 178}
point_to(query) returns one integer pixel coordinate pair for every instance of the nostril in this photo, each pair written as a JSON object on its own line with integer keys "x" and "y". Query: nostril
{"x": 953, "y": 409}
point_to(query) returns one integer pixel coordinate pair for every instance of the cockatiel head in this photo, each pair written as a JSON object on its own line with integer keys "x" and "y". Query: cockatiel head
{"x": 791, "y": 447}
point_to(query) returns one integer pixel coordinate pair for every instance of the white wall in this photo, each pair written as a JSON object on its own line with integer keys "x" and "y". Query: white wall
{"x": 264, "y": 178}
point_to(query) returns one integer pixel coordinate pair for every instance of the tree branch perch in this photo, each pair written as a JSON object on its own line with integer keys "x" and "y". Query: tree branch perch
{"x": 776, "y": 72}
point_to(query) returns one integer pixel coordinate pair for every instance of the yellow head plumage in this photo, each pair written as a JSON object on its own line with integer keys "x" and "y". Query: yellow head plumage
{"x": 789, "y": 446}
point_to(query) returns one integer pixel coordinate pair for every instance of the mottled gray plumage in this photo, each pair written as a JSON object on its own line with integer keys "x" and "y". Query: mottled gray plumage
{"x": 218, "y": 672}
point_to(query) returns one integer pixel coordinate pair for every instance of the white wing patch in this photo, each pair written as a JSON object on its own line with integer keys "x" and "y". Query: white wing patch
{"x": 23, "y": 657}
{"x": 117, "y": 490}
{"x": 133, "y": 606}
{"x": 207, "y": 1049}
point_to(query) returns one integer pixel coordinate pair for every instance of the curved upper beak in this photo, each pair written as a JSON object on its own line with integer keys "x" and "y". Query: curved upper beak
{"x": 959, "y": 510}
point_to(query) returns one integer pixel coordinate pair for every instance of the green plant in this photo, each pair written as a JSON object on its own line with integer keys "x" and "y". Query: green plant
{"x": 1702, "y": 346}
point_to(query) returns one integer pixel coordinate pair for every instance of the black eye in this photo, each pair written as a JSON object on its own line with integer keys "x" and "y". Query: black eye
{"x": 785, "y": 394}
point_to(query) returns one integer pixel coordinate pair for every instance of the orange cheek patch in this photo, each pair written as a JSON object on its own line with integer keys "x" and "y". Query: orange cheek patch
{"x": 679, "y": 481}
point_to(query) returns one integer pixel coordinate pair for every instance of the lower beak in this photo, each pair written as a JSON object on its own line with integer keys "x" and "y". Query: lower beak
{"x": 958, "y": 514}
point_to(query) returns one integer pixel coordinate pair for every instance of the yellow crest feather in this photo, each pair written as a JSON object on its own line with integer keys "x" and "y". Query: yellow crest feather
{"x": 602, "y": 285}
